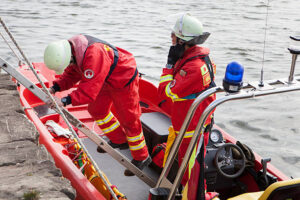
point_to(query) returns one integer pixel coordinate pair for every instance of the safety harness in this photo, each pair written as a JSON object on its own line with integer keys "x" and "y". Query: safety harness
{"x": 93, "y": 40}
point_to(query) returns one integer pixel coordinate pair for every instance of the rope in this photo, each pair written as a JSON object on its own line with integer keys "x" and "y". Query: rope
{"x": 59, "y": 110}
{"x": 19, "y": 59}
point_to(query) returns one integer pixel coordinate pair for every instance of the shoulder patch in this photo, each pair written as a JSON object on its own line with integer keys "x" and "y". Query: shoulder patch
{"x": 88, "y": 73}
{"x": 204, "y": 69}
{"x": 206, "y": 79}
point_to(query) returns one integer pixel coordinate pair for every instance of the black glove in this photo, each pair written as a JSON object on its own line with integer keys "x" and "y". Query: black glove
{"x": 175, "y": 53}
{"x": 66, "y": 100}
{"x": 54, "y": 88}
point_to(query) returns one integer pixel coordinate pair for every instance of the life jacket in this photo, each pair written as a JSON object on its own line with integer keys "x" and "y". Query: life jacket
{"x": 211, "y": 73}
{"x": 82, "y": 42}
{"x": 92, "y": 40}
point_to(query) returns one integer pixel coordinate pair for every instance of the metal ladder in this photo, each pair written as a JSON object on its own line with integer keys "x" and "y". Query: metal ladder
{"x": 78, "y": 124}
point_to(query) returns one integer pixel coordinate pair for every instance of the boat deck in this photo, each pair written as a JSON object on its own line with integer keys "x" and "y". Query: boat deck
{"x": 132, "y": 187}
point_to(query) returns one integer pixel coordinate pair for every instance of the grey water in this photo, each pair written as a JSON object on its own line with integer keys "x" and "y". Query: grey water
{"x": 270, "y": 125}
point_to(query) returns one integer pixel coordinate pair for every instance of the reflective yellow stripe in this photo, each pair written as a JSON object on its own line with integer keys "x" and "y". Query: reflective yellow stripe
{"x": 192, "y": 161}
{"x": 172, "y": 95}
{"x": 165, "y": 78}
{"x": 204, "y": 69}
{"x": 136, "y": 138}
{"x": 111, "y": 128}
{"x": 180, "y": 99}
{"x": 169, "y": 93}
{"x": 187, "y": 134}
{"x": 137, "y": 147}
{"x": 106, "y": 119}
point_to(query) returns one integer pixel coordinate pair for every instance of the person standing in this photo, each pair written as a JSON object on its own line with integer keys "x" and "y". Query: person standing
{"x": 107, "y": 76}
{"x": 189, "y": 71}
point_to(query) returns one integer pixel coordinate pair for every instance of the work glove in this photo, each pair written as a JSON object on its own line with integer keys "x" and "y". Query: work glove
{"x": 175, "y": 52}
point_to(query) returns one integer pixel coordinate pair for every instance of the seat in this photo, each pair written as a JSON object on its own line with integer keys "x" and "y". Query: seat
{"x": 282, "y": 190}
{"x": 156, "y": 128}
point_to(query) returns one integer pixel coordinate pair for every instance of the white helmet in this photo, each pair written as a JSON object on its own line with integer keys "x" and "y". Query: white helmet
{"x": 57, "y": 55}
{"x": 188, "y": 27}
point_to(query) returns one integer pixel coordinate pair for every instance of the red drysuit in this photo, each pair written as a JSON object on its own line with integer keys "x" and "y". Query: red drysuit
{"x": 181, "y": 84}
{"x": 107, "y": 75}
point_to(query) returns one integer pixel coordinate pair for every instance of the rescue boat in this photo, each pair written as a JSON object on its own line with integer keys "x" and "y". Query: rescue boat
{"x": 256, "y": 179}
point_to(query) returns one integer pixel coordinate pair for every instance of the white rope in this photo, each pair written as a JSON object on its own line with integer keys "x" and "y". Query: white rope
{"x": 59, "y": 110}
{"x": 19, "y": 59}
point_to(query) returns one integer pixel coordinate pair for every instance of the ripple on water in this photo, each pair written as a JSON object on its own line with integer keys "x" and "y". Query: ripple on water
{"x": 268, "y": 137}
{"x": 244, "y": 125}
{"x": 291, "y": 159}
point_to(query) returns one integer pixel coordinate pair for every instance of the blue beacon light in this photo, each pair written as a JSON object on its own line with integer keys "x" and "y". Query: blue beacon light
{"x": 233, "y": 79}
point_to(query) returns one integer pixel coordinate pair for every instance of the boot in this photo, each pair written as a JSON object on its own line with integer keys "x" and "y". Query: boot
{"x": 113, "y": 145}
{"x": 139, "y": 164}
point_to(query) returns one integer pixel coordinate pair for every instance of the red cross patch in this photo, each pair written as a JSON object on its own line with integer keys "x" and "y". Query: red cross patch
{"x": 88, "y": 73}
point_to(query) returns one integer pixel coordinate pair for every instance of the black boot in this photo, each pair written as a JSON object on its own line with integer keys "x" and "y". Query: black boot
{"x": 138, "y": 164}
{"x": 113, "y": 145}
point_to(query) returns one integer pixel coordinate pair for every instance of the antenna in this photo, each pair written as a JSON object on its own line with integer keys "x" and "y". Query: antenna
{"x": 261, "y": 83}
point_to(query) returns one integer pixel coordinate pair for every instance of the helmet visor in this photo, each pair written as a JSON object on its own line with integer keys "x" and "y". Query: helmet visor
{"x": 199, "y": 39}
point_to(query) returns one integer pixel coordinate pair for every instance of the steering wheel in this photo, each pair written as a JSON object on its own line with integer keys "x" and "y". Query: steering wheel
{"x": 230, "y": 160}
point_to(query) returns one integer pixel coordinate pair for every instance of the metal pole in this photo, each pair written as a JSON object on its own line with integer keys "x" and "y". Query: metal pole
{"x": 200, "y": 126}
{"x": 179, "y": 138}
{"x": 292, "y": 71}
{"x": 59, "y": 110}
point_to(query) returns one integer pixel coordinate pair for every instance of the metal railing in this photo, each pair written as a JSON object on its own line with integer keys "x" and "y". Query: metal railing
{"x": 250, "y": 90}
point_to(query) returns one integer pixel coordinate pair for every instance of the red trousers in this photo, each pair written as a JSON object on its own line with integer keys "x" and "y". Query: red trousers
{"x": 126, "y": 125}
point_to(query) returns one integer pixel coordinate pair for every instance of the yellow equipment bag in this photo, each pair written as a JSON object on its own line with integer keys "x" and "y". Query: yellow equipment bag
{"x": 170, "y": 141}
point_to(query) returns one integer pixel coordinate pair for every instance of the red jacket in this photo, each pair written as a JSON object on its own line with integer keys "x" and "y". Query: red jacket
{"x": 92, "y": 66}
{"x": 184, "y": 80}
